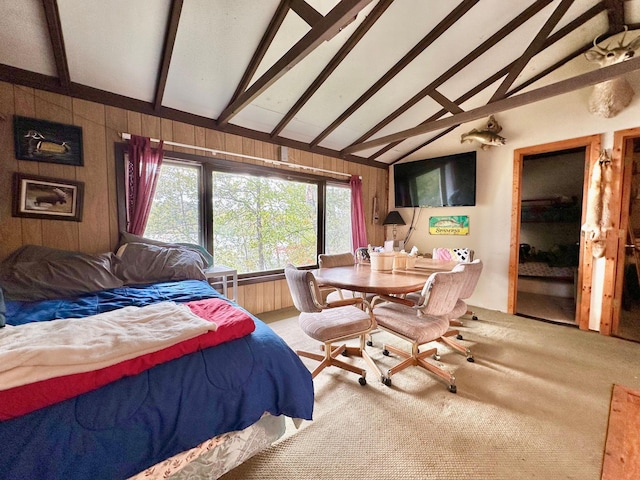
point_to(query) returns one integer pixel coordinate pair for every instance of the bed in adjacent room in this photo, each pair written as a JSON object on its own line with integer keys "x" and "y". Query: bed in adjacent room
{"x": 107, "y": 376}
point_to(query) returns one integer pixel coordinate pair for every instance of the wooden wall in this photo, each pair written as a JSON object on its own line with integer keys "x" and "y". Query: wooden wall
{"x": 101, "y": 126}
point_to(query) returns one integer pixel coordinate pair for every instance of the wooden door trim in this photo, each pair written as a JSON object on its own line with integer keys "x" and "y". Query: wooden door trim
{"x": 592, "y": 144}
{"x": 621, "y": 157}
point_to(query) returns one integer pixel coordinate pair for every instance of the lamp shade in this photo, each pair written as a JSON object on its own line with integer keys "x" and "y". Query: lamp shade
{"x": 393, "y": 218}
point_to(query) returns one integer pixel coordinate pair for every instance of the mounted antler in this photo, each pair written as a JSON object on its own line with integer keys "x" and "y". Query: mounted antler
{"x": 611, "y": 97}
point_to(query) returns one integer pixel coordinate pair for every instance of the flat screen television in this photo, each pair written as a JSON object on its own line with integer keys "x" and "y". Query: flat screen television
{"x": 447, "y": 181}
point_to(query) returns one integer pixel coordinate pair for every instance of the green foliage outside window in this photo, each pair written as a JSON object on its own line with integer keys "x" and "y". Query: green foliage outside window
{"x": 175, "y": 213}
{"x": 338, "y": 220}
{"x": 262, "y": 223}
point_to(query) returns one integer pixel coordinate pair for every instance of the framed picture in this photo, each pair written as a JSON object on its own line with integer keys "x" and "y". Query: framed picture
{"x": 42, "y": 141}
{"x": 454, "y": 225}
{"x": 47, "y": 198}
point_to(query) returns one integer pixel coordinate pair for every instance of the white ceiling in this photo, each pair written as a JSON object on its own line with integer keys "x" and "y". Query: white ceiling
{"x": 120, "y": 47}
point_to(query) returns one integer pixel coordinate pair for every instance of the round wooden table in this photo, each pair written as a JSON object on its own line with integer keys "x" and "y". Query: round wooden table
{"x": 361, "y": 278}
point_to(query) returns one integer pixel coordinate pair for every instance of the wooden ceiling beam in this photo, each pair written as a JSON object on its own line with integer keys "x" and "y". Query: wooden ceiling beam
{"x": 306, "y": 12}
{"x": 477, "y": 52}
{"x": 542, "y": 93}
{"x": 466, "y": 96}
{"x": 52, "y": 14}
{"x": 431, "y": 37}
{"x": 324, "y": 30}
{"x": 534, "y": 47}
{"x": 359, "y": 33}
{"x": 263, "y": 46}
{"x": 50, "y": 84}
{"x": 424, "y": 144}
{"x": 561, "y": 33}
{"x": 167, "y": 51}
{"x": 615, "y": 13}
{"x": 445, "y": 102}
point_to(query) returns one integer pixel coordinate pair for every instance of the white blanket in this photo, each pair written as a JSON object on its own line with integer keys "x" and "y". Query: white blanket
{"x": 43, "y": 350}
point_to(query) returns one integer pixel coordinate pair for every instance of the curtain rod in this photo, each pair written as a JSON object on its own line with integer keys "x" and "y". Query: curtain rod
{"x": 127, "y": 136}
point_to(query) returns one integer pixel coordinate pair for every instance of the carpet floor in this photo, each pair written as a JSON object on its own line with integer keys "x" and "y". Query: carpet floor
{"x": 534, "y": 405}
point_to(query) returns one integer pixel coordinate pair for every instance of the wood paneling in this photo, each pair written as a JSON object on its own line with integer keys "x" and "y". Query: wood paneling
{"x": 102, "y": 126}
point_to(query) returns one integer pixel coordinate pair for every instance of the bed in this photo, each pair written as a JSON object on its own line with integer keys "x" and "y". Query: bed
{"x": 194, "y": 408}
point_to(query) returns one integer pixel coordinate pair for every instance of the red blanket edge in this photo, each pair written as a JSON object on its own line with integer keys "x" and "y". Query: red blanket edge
{"x": 232, "y": 322}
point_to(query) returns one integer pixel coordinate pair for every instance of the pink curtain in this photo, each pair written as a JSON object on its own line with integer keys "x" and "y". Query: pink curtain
{"x": 358, "y": 227}
{"x": 141, "y": 177}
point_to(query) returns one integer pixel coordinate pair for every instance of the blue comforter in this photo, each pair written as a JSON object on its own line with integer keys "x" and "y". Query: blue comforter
{"x": 122, "y": 428}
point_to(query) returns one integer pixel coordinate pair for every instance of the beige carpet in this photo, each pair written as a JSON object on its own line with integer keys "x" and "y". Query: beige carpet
{"x": 534, "y": 405}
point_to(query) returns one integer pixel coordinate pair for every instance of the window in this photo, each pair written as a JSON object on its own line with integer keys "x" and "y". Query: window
{"x": 338, "y": 219}
{"x": 253, "y": 218}
{"x": 261, "y": 223}
{"x": 175, "y": 213}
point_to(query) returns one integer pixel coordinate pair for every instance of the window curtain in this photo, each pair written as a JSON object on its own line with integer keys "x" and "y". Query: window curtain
{"x": 358, "y": 227}
{"x": 141, "y": 177}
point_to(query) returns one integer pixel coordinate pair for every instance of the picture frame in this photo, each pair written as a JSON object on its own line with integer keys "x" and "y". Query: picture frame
{"x": 449, "y": 225}
{"x": 47, "y": 198}
{"x": 44, "y": 141}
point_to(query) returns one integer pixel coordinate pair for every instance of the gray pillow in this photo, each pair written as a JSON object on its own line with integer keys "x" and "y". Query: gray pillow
{"x": 145, "y": 263}
{"x": 3, "y": 310}
{"x": 126, "y": 237}
{"x": 40, "y": 273}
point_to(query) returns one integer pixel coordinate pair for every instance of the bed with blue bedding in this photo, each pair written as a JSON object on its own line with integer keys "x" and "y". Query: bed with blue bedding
{"x": 130, "y": 425}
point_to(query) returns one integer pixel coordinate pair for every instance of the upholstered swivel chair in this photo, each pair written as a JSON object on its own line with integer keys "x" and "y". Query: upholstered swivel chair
{"x": 325, "y": 260}
{"x": 331, "y": 323}
{"x": 472, "y": 274}
{"x": 464, "y": 255}
{"x": 473, "y": 270}
{"x": 420, "y": 323}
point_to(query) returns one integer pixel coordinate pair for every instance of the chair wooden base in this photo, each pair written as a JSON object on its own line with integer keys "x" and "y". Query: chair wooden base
{"x": 331, "y": 353}
{"x": 455, "y": 345}
{"x": 417, "y": 358}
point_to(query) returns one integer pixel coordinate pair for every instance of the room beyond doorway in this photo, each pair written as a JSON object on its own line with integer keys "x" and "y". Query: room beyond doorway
{"x": 579, "y": 287}
{"x": 552, "y": 185}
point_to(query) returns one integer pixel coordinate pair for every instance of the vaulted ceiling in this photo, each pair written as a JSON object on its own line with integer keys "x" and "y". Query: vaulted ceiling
{"x": 366, "y": 80}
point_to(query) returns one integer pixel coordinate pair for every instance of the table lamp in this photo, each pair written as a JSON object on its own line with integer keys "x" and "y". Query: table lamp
{"x": 394, "y": 218}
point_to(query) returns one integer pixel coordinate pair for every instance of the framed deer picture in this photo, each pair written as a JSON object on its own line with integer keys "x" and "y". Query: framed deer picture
{"x": 47, "y": 198}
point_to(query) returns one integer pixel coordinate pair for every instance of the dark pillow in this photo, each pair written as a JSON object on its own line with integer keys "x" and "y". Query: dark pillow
{"x": 146, "y": 263}
{"x": 41, "y": 273}
{"x": 126, "y": 237}
{"x": 3, "y": 310}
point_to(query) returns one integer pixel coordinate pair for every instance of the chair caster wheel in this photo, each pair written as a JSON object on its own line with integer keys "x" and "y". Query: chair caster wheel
{"x": 459, "y": 337}
{"x": 362, "y": 381}
{"x": 470, "y": 359}
{"x": 385, "y": 352}
{"x": 475, "y": 317}
{"x": 436, "y": 357}
{"x": 386, "y": 381}
{"x": 369, "y": 343}
{"x": 345, "y": 354}
{"x": 453, "y": 389}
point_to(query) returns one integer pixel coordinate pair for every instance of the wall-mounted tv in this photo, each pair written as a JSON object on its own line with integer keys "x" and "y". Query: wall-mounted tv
{"x": 436, "y": 182}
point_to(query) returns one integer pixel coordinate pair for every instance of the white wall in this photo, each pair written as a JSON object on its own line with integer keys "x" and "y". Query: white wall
{"x": 559, "y": 118}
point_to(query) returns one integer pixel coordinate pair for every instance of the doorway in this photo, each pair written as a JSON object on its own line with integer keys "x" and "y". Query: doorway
{"x": 552, "y": 185}
{"x": 626, "y": 315}
{"x": 580, "y": 284}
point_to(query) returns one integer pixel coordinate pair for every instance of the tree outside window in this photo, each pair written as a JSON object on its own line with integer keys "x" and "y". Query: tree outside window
{"x": 257, "y": 222}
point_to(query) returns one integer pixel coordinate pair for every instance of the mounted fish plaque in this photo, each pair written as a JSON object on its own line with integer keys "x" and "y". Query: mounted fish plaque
{"x": 455, "y": 225}
{"x": 487, "y": 137}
